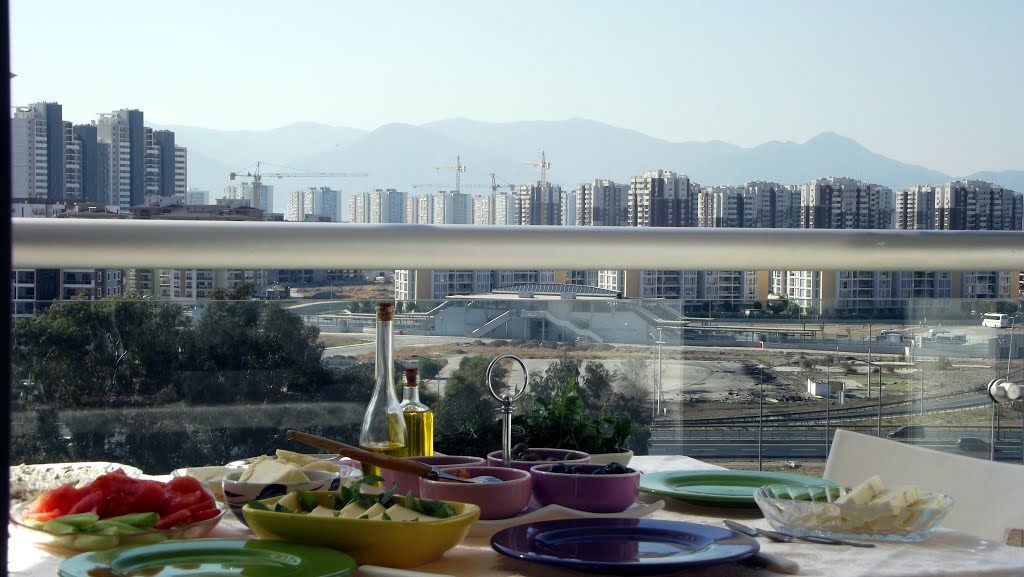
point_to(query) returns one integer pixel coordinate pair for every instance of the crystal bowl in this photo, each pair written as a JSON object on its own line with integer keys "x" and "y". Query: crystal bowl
{"x": 67, "y": 544}
{"x": 813, "y": 511}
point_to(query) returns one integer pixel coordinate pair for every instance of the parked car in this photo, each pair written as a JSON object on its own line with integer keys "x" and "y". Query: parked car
{"x": 908, "y": 432}
{"x": 972, "y": 444}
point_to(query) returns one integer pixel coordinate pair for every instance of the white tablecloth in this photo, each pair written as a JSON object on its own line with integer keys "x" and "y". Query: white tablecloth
{"x": 946, "y": 554}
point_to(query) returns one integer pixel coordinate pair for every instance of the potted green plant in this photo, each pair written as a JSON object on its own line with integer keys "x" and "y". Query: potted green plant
{"x": 563, "y": 423}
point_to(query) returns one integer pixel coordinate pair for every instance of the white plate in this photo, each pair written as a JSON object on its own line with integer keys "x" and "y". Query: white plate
{"x": 553, "y": 512}
{"x": 28, "y": 481}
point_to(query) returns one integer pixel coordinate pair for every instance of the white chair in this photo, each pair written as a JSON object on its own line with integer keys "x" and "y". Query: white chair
{"x": 989, "y": 495}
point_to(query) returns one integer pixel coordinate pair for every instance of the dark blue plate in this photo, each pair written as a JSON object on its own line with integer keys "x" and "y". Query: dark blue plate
{"x": 623, "y": 546}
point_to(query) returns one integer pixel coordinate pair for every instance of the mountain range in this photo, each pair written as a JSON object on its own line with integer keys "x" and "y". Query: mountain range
{"x": 418, "y": 158}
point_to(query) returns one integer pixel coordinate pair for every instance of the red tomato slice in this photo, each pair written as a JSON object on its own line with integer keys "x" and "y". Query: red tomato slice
{"x": 185, "y": 484}
{"x": 60, "y": 499}
{"x": 92, "y": 502}
{"x": 168, "y": 521}
{"x": 203, "y": 515}
{"x": 180, "y": 501}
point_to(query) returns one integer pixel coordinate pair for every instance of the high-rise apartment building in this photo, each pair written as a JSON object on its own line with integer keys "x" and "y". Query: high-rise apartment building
{"x": 73, "y": 162}
{"x": 845, "y": 203}
{"x": 756, "y": 204}
{"x": 452, "y": 208}
{"x": 124, "y": 158}
{"x": 244, "y": 191}
{"x": 602, "y": 203}
{"x": 662, "y": 198}
{"x": 38, "y": 152}
{"x": 379, "y": 206}
{"x": 88, "y": 147}
{"x": 958, "y": 205}
{"x": 319, "y": 203}
{"x": 841, "y": 203}
{"x": 539, "y": 203}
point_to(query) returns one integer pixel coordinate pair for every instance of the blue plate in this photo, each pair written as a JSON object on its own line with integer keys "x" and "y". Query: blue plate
{"x": 623, "y": 546}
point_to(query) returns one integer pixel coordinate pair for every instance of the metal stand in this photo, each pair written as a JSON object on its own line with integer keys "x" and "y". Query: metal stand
{"x": 506, "y": 401}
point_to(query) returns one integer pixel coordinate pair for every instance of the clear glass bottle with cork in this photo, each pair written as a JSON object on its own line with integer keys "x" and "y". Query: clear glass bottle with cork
{"x": 419, "y": 419}
{"x": 383, "y": 429}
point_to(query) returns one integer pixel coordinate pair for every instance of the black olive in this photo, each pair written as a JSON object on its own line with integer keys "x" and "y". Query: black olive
{"x": 558, "y": 468}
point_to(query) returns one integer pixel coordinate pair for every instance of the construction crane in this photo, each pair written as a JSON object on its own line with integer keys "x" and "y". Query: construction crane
{"x": 257, "y": 178}
{"x": 544, "y": 166}
{"x": 459, "y": 168}
{"x": 494, "y": 184}
{"x": 440, "y": 186}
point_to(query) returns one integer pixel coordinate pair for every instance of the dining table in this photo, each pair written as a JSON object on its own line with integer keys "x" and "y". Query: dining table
{"x": 947, "y": 553}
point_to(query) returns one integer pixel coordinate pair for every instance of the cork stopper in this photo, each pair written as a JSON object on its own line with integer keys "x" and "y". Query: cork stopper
{"x": 385, "y": 311}
{"x": 410, "y": 377}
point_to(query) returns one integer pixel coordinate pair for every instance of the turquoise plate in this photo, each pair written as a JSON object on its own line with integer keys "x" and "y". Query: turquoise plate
{"x": 720, "y": 488}
{"x": 212, "y": 558}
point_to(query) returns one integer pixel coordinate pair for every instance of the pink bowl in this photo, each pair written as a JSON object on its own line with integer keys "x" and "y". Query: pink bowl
{"x": 585, "y": 491}
{"x": 547, "y": 457}
{"x": 496, "y": 500}
{"x": 405, "y": 482}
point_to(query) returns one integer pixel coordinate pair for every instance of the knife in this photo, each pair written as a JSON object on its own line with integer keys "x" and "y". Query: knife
{"x": 785, "y": 537}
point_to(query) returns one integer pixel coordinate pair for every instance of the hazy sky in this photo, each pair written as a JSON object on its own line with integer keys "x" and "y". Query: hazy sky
{"x": 932, "y": 82}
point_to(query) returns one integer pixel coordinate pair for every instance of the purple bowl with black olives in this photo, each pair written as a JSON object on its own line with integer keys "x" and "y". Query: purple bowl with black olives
{"x": 611, "y": 488}
{"x": 525, "y": 459}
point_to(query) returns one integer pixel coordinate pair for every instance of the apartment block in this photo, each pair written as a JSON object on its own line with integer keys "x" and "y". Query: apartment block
{"x": 451, "y": 207}
{"x": 38, "y": 152}
{"x": 539, "y": 204}
{"x": 958, "y": 205}
{"x": 845, "y": 203}
{"x": 319, "y": 203}
{"x": 123, "y": 163}
{"x": 73, "y": 162}
{"x": 88, "y": 150}
{"x": 602, "y": 203}
{"x": 244, "y": 191}
{"x": 662, "y": 198}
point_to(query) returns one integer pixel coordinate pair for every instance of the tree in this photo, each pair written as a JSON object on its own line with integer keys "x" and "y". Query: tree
{"x": 596, "y": 386}
{"x": 466, "y": 419}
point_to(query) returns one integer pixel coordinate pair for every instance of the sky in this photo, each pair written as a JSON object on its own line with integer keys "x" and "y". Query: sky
{"x": 930, "y": 82}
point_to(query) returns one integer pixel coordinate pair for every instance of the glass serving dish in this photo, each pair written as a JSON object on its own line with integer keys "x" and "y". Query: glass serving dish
{"x": 813, "y": 511}
{"x": 78, "y": 542}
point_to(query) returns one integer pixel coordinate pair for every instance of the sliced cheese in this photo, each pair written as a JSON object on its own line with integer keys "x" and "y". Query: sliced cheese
{"x": 321, "y": 465}
{"x": 291, "y": 501}
{"x": 297, "y": 458}
{"x": 352, "y": 511}
{"x": 897, "y": 497}
{"x": 864, "y": 492}
{"x": 267, "y": 470}
{"x": 321, "y": 511}
{"x": 375, "y": 510}
{"x": 400, "y": 513}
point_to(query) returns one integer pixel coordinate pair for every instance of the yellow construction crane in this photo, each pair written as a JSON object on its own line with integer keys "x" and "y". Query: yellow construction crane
{"x": 459, "y": 168}
{"x": 544, "y": 166}
{"x": 257, "y": 177}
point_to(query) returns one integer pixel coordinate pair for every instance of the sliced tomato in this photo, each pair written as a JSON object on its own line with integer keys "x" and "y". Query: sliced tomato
{"x": 60, "y": 499}
{"x": 42, "y": 517}
{"x": 203, "y": 515}
{"x": 182, "y": 501}
{"x": 91, "y": 503}
{"x": 168, "y": 521}
{"x": 185, "y": 484}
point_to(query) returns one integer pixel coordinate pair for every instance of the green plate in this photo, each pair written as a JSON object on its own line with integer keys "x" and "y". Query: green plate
{"x": 720, "y": 488}
{"x": 211, "y": 558}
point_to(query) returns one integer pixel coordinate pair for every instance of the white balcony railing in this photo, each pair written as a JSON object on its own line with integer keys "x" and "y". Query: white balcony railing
{"x": 63, "y": 243}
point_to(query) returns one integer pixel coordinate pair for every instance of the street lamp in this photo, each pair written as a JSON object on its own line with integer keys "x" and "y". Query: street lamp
{"x": 878, "y": 430}
{"x": 760, "y": 412}
{"x": 657, "y": 390}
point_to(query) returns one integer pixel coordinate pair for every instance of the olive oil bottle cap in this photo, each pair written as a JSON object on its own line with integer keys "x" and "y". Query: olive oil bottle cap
{"x": 385, "y": 311}
{"x": 410, "y": 377}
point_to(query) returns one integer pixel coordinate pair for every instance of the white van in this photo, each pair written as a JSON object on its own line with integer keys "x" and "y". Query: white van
{"x": 995, "y": 320}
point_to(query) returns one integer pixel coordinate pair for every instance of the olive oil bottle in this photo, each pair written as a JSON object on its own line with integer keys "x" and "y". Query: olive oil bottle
{"x": 383, "y": 429}
{"x": 419, "y": 419}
